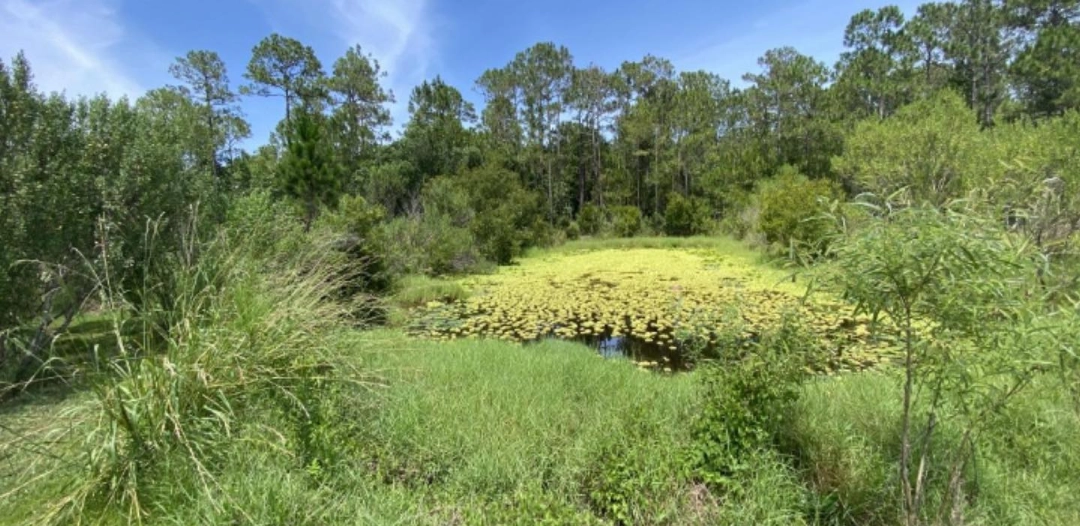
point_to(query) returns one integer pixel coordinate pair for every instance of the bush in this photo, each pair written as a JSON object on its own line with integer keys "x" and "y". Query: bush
{"x": 686, "y": 216}
{"x": 428, "y": 244}
{"x": 592, "y": 219}
{"x": 929, "y": 151}
{"x": 792, "y": 211}
{"x": 573, "y": 231}
{"x": 626, "y": 220}
{"x": 747, "y": 400}
{"x": 354, "y": 225}
{"x": 507, "y": 215}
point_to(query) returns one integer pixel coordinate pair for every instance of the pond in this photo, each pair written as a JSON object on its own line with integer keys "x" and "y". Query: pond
{"x": 665, "y": 309}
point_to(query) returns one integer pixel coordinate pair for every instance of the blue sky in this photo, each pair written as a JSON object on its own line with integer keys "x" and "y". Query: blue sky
{"x": 124, "y": 47}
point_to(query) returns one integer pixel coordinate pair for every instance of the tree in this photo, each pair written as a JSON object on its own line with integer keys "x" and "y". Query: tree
{"x": 308, "y": 171}
{"x": 282, "y": 66}
{"x": 786, "y": 106}
{"x": 646, "y": 92}
{"x": 436, "y": 140}
{"x": 1046, "y": 72}
{"x": 207, "y": 84}
{"x": 499, "y": 118}
{"x": 542, "y": 74}
{"x": 592, "y": 97}
{"x": 361, "y": 117}
{"x": 872, "y": 72}
{"x": 698, "y": 110}
{"x": 928, "y": 32}
{"x": 979, "y": 49}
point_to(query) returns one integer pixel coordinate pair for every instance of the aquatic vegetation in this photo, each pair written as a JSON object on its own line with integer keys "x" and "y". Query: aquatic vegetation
{"x": 666, "y": 307}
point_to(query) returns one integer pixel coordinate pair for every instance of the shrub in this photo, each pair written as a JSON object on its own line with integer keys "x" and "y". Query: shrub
{"x": 573, "y": 231}
{"x": 746, "y": 400}
{"x": 626, "y": 220}
{"x": 928, "y": 151}
{"x": 792, "y": 211}
{"x": 354, "y": 225}
{"x": 507, "y": 214}
{"x": 686, "y": 216}
{"x": 592, "y": 219}
{"x": 428, "y": 244}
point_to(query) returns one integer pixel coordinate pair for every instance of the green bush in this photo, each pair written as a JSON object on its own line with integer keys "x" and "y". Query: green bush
{"x": 355, "y": 227}
{"x": 929, "y": 151}
{"x": 626, "y": 220}
{"x": 592, "y": 219}
{"x": 686, "y": 216}
{"x": 573, "y": 231}
{"x": 428, "y": 244}
{"x": 792, "y": 211}
{"x": 748, "y": 398}
{"x": 507, "y": 214}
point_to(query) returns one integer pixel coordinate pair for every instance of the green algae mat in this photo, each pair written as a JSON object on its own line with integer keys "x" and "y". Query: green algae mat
{"x": 665, "y": 308}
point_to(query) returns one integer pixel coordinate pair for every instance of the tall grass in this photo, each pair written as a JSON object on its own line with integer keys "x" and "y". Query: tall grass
{"x": 215, "y": 331}
{"x": 586, "y": 244}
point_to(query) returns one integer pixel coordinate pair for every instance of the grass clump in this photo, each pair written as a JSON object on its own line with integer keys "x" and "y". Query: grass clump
{"x": 214, "y": 335}
{"x": 419, "y": 290}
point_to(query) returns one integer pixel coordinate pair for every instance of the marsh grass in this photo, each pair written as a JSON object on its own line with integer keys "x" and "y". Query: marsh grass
{"x": 724, "y": 244}
{"x": 845, "y": 443}
{"x": 415, "y": 291}
{"x": 214, "y": 335}
{"x": 498, "y": 424}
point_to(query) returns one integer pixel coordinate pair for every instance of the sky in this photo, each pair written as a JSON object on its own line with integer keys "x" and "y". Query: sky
{"x": 124, "y": 47}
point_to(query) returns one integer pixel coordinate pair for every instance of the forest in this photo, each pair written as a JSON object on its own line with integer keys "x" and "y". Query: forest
{"x": 819, "y": 294}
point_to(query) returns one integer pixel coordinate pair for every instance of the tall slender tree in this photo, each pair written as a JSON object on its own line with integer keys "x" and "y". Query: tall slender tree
{"x": 361, "y": 115}
{"x": 207, "y": 84}
{"x": 284, "y": 67}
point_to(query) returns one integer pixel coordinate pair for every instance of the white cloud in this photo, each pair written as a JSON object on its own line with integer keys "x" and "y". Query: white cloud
{"x": 71, "y": 45}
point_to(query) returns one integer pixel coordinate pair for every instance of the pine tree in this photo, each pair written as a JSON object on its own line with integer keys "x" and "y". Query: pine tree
{"x": 308, "y": 171}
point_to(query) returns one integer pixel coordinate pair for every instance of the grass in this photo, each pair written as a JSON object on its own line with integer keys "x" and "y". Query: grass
{"x": 846, "y": 443}
{"x": 415, "y": 291}
{"x": 483, "y": 422}
{"x": 725, "y": 244}
{"x": 260, "y": 409}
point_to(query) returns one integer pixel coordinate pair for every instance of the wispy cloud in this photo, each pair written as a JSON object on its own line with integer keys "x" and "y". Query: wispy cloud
{"x": 71, "y": 45}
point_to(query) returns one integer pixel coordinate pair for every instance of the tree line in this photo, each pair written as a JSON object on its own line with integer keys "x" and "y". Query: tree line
{"x": 971, "y": 95}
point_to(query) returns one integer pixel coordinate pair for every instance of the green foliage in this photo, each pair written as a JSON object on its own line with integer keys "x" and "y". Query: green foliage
{"x": 747, "y": 398}
{"x": 928, "y": 152}
{"x": 428, "y": 244}
{"x": 283, "y": 66}
{"x": 573, "y": 231}
{"x": 957, "y": 294}
{"x": 792, "y": 212}
{"x": 686, "y": 216}
{"x": 238, "y": 335}
{"x": 592, "y": 219}
{"x": 356, "y": 224}
{"x": 309, "y": 172}
{"x": 506, "y": 213}
{"x": 626, "y": 221}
